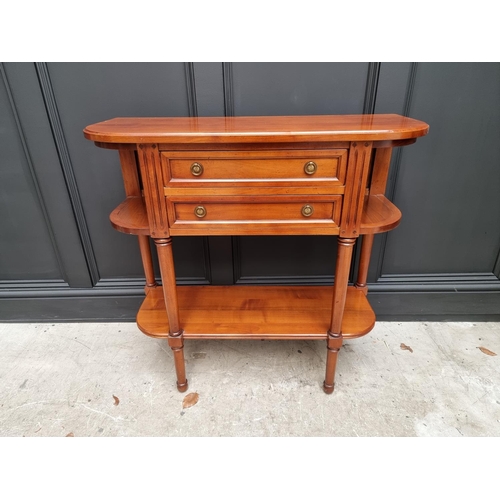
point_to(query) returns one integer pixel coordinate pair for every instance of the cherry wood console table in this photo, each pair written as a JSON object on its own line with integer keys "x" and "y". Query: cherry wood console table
{"x": 273, "y": 175}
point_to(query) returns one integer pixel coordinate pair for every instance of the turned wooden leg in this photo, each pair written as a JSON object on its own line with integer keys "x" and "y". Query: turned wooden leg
{"x": 364, "y": 262}
{"x": 334, "y": 341}
{"x": 147, "y": 262}
{"x": 175, "y": 334}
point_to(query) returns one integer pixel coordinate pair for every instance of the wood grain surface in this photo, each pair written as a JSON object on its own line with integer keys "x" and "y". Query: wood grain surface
{"x": 256, "y": 312}
{"x": 256, "y": 129}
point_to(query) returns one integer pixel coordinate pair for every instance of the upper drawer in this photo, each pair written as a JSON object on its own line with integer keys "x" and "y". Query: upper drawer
{"x": 227, "y": 168}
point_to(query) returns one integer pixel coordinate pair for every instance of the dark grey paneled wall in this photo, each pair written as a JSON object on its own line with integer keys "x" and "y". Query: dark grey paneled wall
{"x": 449, "y": 187}
{"x": 21, "y": 206}
{"x": 60, "y": 258}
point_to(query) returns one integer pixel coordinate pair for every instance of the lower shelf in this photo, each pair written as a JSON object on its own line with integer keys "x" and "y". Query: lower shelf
{"x": 256, "y": 312}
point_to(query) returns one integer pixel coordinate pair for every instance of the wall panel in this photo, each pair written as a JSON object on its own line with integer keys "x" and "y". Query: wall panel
{"x": 27, "y": 247}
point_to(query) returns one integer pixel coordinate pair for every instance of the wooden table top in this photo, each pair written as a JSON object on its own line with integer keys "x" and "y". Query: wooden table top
{"x": 244, "y": 129}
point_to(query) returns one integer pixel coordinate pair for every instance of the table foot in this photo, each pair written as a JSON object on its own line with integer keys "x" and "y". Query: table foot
{"x": 182, "y": 387}
{"x": 328, "y": 388}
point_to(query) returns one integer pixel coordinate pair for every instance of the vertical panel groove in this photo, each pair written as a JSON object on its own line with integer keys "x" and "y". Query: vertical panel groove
{"x": 410, "y": 88}
{"x": 227, "y": 80}
{"x": 371, "y": 88}
{"x": 33, "y": 175}
{"x": 193, "y": 111}
{"x": 391, "y": 184}
{"x": 369, "y": 103}
{"x": 67, "y": 168}
{"x": 191, "y": 89}
{"x": 227, "y": 90}
{"x": 496, "y": 267}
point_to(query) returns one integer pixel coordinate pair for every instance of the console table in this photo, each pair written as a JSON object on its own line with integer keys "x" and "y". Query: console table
{"x": 262, "y": 175}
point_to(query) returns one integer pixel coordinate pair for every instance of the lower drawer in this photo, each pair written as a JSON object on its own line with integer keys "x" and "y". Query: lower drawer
{"x": 250, "y": 215}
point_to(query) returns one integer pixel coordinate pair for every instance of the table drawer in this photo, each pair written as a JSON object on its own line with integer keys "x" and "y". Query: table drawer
{"x": 237, "y": 211}
{"x": 225, "y": 168}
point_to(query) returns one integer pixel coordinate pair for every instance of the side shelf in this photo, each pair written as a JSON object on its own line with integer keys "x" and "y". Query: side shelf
{"x": 256, "y": 312}
{"x": 130, "y": 216}
{"x": 379, "y": 215}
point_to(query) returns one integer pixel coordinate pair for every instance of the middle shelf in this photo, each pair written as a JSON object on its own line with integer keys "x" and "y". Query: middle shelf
{"x": 379, "y": 215}
{"x": 256, "y": 312}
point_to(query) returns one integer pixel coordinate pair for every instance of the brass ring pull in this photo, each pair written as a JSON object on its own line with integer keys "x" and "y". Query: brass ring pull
{"x": 200, "y": 211}
{"x": 310, "y": 168}
{"x": 196, "y": 169}
{"x": 307, "y": 210}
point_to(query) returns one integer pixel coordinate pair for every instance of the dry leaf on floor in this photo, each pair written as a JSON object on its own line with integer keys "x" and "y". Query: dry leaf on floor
{"x": 117, "y": 401}
{"x": 406, "y": 347}
{"x": 70, "y": 435}
{"x": 190, "y": 400}
{"x": 487, "y": 351}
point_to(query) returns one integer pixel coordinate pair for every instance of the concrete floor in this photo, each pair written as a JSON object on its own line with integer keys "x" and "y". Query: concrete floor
{"x": 57, "y": 379}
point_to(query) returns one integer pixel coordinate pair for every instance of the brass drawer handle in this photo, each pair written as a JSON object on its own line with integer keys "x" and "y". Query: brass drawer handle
{"x": 200, "y": 211}
{"x": 310, "y": 168}
{"x": 307, "y": 210}
{"x": 196, "y": 169}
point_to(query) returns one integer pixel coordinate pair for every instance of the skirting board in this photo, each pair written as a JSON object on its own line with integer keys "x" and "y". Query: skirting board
{"x": 388, "y": 306}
